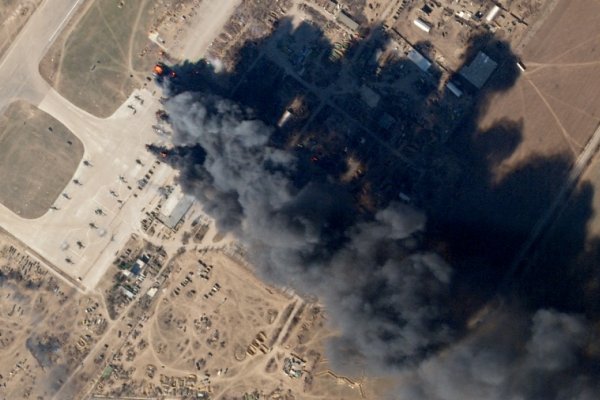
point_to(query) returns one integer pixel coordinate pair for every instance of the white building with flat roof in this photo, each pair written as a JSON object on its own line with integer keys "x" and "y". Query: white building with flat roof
{"x": 492, "y": 14}
{"x": 422, "y": 25}
{"x": 347, "y": 20}
{"x": 175, "y": 208}
{"x": 419, "y": 60}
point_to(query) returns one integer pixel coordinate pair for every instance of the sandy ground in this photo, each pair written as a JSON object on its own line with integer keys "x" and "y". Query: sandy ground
{"x": 35, "y": 362}
{"x": 557, "y": 99}
{"x": 212, "y": 15}
{"x": 204, "y": 324}
{"x": 114, "y": 147}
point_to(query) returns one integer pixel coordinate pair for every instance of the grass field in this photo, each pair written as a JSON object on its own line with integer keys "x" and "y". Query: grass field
{"x": 558, "y": 97}
{"x": 36, "y": 163}
{"x": 95, "y": 63}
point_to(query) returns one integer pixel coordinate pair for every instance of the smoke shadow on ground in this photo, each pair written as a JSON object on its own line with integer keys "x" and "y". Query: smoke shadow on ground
{"x": 431, "y": 150}
{"x": 563, "y": 273}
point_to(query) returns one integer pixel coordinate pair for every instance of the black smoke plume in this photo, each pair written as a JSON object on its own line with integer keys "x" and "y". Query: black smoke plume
{"x": 542, "y": 357}
{"x": 386, "y": 297}
{"x": 389, "y": 299}
{"x": 395, "y": 305}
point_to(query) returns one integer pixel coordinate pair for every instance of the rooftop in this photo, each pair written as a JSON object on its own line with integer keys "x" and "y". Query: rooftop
{"x": 178, "y": 211}
{"x": 347, "y": 20}
{"x": 419, "y": 60}
{"x": 480, "y": 69}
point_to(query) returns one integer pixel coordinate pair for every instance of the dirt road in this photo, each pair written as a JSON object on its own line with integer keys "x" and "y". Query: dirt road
{"x": 212, "y": 15}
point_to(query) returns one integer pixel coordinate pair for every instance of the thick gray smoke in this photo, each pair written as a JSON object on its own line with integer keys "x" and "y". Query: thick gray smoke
{"x": 500, "y": 364}
{"x": 388, "y": 300}
{"x": 385, "y": 298}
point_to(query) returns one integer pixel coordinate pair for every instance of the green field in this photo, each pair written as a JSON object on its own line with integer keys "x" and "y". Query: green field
{"x": 36, "y": 159}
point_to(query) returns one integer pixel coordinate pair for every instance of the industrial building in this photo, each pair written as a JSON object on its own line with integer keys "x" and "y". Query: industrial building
{"x": 492, "y": 14}
{"x": 138, "y": 267}
{"x": 347, "y": 21}
{"x": 152, "y": 291}
{"x": 419, "y": 60}
{"x": 479, "y": 70}
{"x": 422, "y": 25}
{"x": 175, "y": 208}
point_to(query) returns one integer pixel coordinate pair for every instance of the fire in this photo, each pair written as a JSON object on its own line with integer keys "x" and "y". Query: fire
{"x": 158, "y": 70}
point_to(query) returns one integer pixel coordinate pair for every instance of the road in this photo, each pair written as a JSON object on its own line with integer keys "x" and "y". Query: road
{"x": 122, "y": 136}
{"x": 520, "y": 265}
{"x": 21, "y": 60}
{"x": 112, "y": 146}
{"x": 213, "y": 14}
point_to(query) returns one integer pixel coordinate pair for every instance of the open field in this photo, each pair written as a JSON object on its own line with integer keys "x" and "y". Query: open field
{"x": 122, "y": 137}
{"x": 14, "y": 14}
{"x": 563, "y": 268}
{"x": 214, "y": 327}
{"x": 211, "y": 16}
{"x": 95, "y": 63}
{"x": 48, "y": 350}
{"x": 556, "y": 106}
{"x": 46, "y": 326}
{"x": 557, "y": 99}
{"x": 108, "y": 48}
{"x": 580, "y": 217}
{"x": 38, "y": 156}
{"x": 195, "y": 319}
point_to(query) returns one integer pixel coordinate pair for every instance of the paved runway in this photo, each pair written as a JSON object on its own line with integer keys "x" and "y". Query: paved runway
{"x": 111, "y": 145}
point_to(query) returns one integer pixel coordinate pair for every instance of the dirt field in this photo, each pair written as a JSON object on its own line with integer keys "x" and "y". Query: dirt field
{"x": 14, "y": 14}
{"x": 40, "y": 345}
{"x": 214, "y": 327}
{"x": 96, "y": 63}
{"x": 38, "y": 156}
{"x": 109, "y": 48}
{"x": 523, "y": 8}
{"x": 557, "y": 99}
